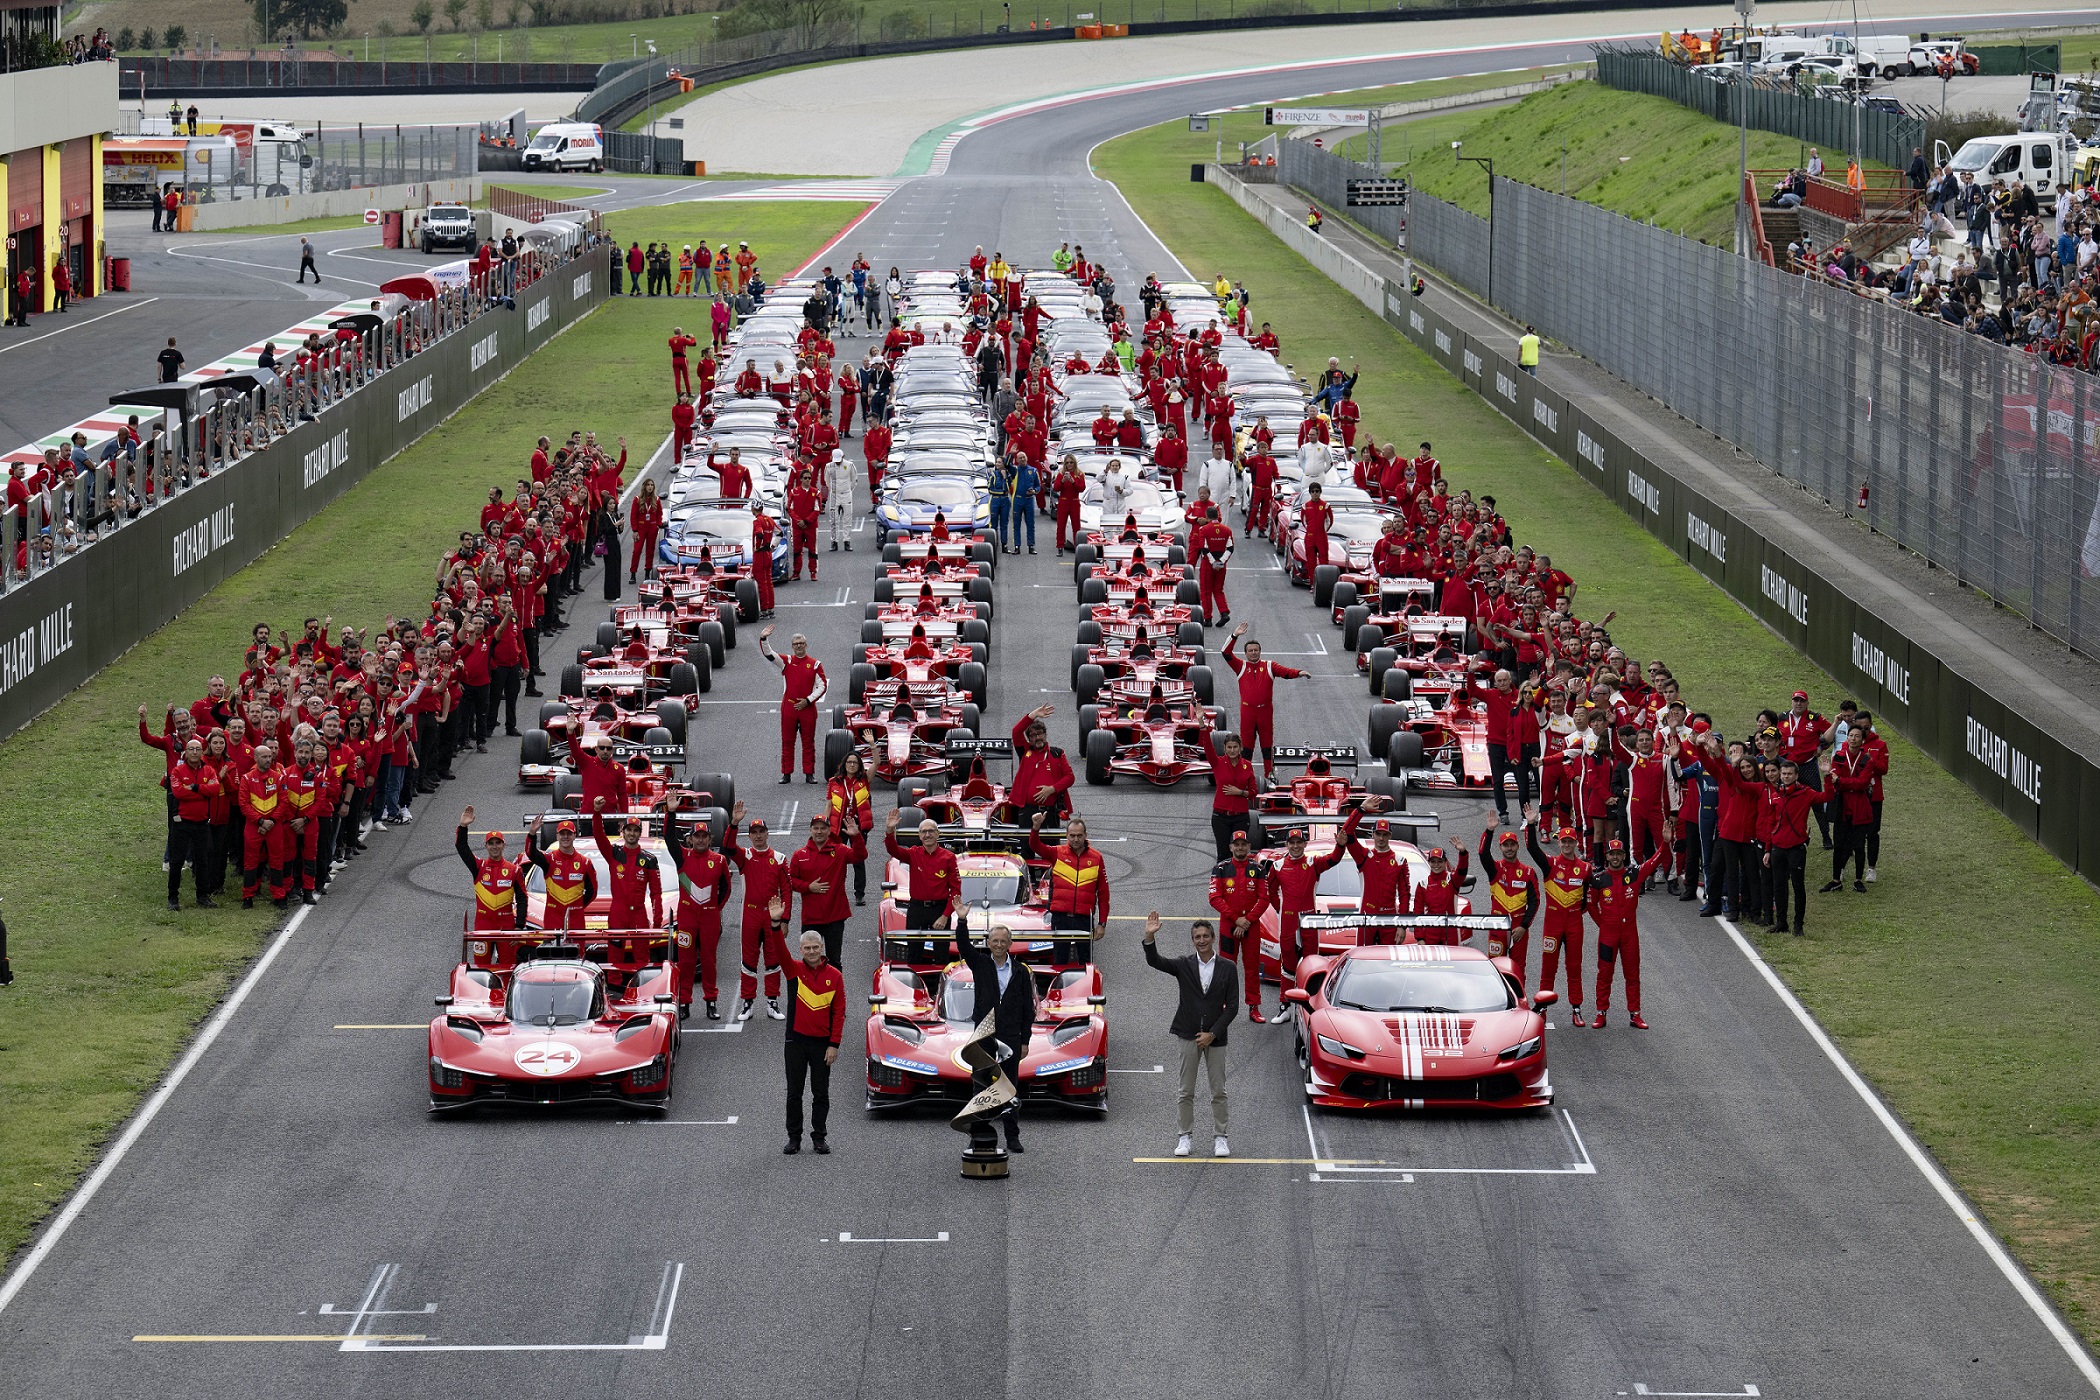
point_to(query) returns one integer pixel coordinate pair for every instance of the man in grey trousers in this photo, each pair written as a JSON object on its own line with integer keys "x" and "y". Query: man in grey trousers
{"x": 1210, "y": 998}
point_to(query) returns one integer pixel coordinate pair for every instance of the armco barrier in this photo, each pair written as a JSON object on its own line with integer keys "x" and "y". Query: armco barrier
{"x": 2049, "y": 791}
{"x": 59, "y": 629}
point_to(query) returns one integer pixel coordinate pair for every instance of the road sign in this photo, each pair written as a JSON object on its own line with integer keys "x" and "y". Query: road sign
{"x": 1365, "y": 194}
{"x": 1316, "y": 116}
{"x": 371, "y": 216}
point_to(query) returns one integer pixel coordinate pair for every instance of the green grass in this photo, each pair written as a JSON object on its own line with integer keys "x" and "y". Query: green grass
{"x": 109, "y": 983}
{"x": 1964, "y": 993}
{"x": 782, "y": 234}
{"x": 330, "y": 225}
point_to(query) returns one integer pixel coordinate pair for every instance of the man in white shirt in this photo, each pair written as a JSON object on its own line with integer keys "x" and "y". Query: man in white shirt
{"x": 1217, "y": 474}
{"x": 1210, "y": 996}
{"x": 1115, "y": 495}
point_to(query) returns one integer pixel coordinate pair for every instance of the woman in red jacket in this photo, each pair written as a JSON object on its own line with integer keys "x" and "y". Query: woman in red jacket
{"x": 645, "y": 517}
{"x": 846, "y": 796}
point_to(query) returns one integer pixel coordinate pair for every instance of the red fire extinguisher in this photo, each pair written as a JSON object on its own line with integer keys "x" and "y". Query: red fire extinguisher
{"x": 1863, "y": 496}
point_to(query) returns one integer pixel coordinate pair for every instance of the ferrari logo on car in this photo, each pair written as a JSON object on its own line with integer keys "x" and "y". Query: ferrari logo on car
{"x": 547, "y": 1057}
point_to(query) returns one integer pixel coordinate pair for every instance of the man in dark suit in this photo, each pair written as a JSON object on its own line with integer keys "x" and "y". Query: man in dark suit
{"x": 1210, "y": 998}
{"x": 1006, "y": 987}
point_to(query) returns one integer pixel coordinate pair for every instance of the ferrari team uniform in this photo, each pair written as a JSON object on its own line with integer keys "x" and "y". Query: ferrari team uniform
{"x": 1257, "y": 702}
{"x": 703, "y": 883}
{"x": 1293, "y": 883}
{"x": 496, "y": 885}
{"x": 1046, "y": 767}
{"x": 1438, "y": 895}
{"x": 1210, "y": 544}
{"x": 1564, "y": 882}
{"x": 935, "y": 883}
{"x": 824, "y": 910}
{"x": 802, "y": 678}
{"x": 1387, "y": 883}
{"x": 1513, "y": 893}
{"x": 1615, "y": 900}
{"x": 262, "y": 806}
{"x": 1078, "y": 894}
{"x": 1239, "y": 889}
{"x": 637, "y": 890}
{"x": 765, "y": 875}
{"x": 571, "y": 884}
{"x": 1228, "y": 810}
{"x": 816, "y": 1022}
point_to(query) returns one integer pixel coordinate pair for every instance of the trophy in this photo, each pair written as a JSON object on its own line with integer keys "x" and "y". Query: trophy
{"x": 984, "y": 1159}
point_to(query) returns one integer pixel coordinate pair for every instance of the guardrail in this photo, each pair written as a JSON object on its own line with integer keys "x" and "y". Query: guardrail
{"x": 297, "y": 73}
{"x": 95, "y": 562}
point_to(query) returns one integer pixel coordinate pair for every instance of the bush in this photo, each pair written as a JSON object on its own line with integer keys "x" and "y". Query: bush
{"x": 422, "y": 15}
{"x": 126, "y": 40}
{"x": 146, "y": 39}
{"x": 176, "y": 36}
{"x": 1263, "y": 9}
{"x": 1955, "y": 128}
{"x": 899, "y": 25}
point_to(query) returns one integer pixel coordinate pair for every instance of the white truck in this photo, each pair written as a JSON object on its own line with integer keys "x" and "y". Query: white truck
{"x": 2044, "y": 161}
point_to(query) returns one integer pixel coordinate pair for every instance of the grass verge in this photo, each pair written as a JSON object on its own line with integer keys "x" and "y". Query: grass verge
{"x": 109, "y": 983}
{"x": 783, "y": 234}
{"x": 328, "y": 225}
{"x": 1962, "y": 987}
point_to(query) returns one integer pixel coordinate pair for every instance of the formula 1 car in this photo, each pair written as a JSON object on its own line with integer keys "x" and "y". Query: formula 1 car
{"x": 1340, "y": 890}
{"x": 1424, "y": 647}
{"x": 1434, "y": 738}
{"x": 961, "y": 588}
{"x": 1351, "y": 536}
{"x": 903, "y": 738}
{"x": 639, "y": 662}
{"x": 919, "y": 1021}
{"x": 1098, "y": 584}
{"x": 546, "y": 753}
{"x": 716, "y": 577}
{"x": 952, "y": 553}
{"x": 1386, "y": 603}
{"x": 681, "y": 615}
{"x": 1319, "y": 791}
{"x": 973, "y": 811}
{"x": 918, "y": 654}
{"x": 537, "y": 1022}
{"x": 1155, "y": 741}
{"x": 720, "y": 533}
{"x": 1114, "y": 549}
{"x": 1123, "y": 619}
{"x": 1419, "y": 1025}
{"x": 1131, "y": 673}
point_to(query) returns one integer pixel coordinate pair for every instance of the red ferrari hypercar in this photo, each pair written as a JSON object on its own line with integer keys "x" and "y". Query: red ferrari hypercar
{"x": 1419, "y": 1026}
{"x": 917, "y": 1022}
{"x": 536, "y": 1022}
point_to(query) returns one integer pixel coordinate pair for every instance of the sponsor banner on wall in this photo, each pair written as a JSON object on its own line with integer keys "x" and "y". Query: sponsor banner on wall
{"x": 58, "y": 630}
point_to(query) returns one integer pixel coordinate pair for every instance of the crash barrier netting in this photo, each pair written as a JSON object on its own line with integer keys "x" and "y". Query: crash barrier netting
{"x": 1766, "y": 104}
{"x": 109, "y": 554}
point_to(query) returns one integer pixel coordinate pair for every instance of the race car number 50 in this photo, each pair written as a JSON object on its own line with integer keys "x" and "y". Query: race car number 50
{"x": 547, "y": 1057}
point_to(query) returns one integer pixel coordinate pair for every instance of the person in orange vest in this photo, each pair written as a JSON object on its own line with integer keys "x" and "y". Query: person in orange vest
{"x": 569, "y": 878}
{"x": 1078, "y": 888}
{"x": 1564, "y": 880}
{"x": 746, "y": 266}
{"x": 704, "y": 878}
{"x": 497, "y": 879}
{"x": 1513, "y": 893}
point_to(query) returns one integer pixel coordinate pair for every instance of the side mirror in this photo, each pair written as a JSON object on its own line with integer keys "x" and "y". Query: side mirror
{"x": 879, "y": 999}
{"x": 889, "y": 887}
{"x": 1297, "y": 996}
{"x": 443, "y": 1001}
{"x": 1469, "y": 882}
{"x": 1544, "y": 998}
{"x": 667, "y": 1001}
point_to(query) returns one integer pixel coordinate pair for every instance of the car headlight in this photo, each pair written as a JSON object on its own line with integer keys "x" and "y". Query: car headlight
{"x": 1522, "y": 1051}
{"x": 1340, "y": 1048}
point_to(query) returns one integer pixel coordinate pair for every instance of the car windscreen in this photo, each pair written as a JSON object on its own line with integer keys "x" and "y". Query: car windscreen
{"x": 725, "y": 526}
{"x": 1341, "y": 881}
{"x": 958, "y": 997}
{"x": 543, "y": 1003}
{"x": 449, "y": 211}
{"x": 1974, "y": 156}
{"x": 1375, "y": 984}
{"x": 944, "y": 494}
{"x": 1362, "y": 525}
{"x": 1001, "y": 887}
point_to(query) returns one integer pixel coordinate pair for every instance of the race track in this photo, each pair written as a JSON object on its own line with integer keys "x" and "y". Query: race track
{"x": 1713, "y": 1210}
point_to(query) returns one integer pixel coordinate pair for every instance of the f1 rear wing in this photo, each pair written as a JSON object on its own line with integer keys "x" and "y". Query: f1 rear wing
{"x": 980, "y": 748}
{"x": 1343, "y": 755}
{"x": 1468, "y": 923}
{"x": 938, "y": 629}
{"x": 1272, "y": 822}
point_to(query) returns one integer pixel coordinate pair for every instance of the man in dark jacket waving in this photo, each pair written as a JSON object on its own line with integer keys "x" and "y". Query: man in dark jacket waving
{"x": 1210, "y": 994}
{"x": 1006, "y": 988}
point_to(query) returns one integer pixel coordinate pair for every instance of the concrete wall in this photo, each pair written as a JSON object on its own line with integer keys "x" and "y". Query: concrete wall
{"x": 43, "y": 106}
{"x": 329, "y": 204}
{"x": 1356, "y": 279}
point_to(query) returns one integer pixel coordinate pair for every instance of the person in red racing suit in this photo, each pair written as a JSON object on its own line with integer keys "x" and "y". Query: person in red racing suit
{"x": 1294, "y": 882}
{"x": 1615, "y": 900}
{"x": 704, "y": 877}
{"x": 1239, "y": 891}
{"x": 1513, "y": 893}
{"x": 1564, "y": 882}
{"x": 631, "y": 874}
{"x": 1385, "y": 876}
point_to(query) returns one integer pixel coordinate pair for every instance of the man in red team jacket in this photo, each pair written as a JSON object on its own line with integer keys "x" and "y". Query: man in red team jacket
{"x": 1257, "y": 697}
{"x": 804, "y": 687}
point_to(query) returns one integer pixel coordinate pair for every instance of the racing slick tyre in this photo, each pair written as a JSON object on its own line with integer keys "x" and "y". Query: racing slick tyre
{"x": 858, "y": 655}
{"x": 726, "y": 615}
{"x": 838, "y": 717}
{"x": 1367, "y": 637}
{"x": 1405, "y": 753}
{"x": 1200, "y": 681}
{"x": 893, "y": 553}
{"x": 885, "y": 590}
{"x": 985, "y": 556}
{"x": 747, "y": 600}
{"x": 1353, "y": 618}
{"x": 969, "y": 717}
{"x": 656, "y": 736}
{"x": 1385, "y": 723}
{"x": 980, "y": 652}
{"x": 571, "y": 683}
{"x": 551, "y": 710}
{"x": 715, "y": 637}
{"x": 912, "y": 791}
{"x": 837, "y": 744}
{"x": 1100, "y": 753}
{"x": 1345, "y": 595}
{"x": 870, "y": 612}
{"x": 1189, "y": 634}
{"x": 972, "y": 680}
{"x": 1089, "y": 716}
{"x": 1083, "y": 554}
{"x": 908, "y": 818}
{"x": 983, "y": 611}
{"x": 684, "y": 679}
{"x": 535, "y": 747}
{"x": 1472, "y": 641}
{"x": 719, "y": 787}
{"x": 857, "y": 677}
{"x": 1177, "y": 558}
{"x": 1392, "y": 789}
{"x": 871, "y": 633}
{"x": 1093, "y": 591}
{"x": 1089, "y": 680}
{"x": 567, "y": 786}
{"x": 980, "y": 590}
{"x": 1399, "y": 684}
{"x": 1090, "y": 632}
{"x": 1079, "y": 656}
{"x": 1196, "y": 657}
{"x": 1187, "y": 593}
{"x": 1381, "y": 661}
{"x": 607, "y": 639}
{"x": 1080, "y": 574}
{"x": 977, "y": 632}
{"x": 670, "y": 714}
{"x": 1323, "y": 581}
{"x": 1220, "y": 723}
{"x": 702, "y": 659}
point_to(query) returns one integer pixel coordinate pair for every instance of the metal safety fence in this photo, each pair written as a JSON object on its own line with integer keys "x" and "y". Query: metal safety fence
{"x": 1325, "y": 177}
{"x": 1982, "y": 459}
{"x": 1884, "y": 136}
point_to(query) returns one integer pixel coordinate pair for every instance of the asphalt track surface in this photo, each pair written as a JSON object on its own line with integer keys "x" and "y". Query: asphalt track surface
{"x": 1714, "y": 1208}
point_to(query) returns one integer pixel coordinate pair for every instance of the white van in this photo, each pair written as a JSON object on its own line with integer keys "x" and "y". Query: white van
{"x": 2045, "y": 161}
{"x": 566, "y": 146}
